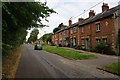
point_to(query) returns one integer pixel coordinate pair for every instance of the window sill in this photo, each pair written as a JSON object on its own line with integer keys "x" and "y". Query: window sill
{"x": 83, "y": 44}
{"x": 98, "y": 31}
{"x": 82, "y": 33}
{"x": 74, "y": 32}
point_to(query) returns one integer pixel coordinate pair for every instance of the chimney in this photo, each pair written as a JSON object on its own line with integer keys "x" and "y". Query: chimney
{"x": 105, "y": 7}
{"x": 91, "y": 13}
{"x": 80, "y": 19}
{"x": 69, "y": 22}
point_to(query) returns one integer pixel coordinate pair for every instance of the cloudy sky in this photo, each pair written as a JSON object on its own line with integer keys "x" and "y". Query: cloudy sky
{"x": 73, "y": 9}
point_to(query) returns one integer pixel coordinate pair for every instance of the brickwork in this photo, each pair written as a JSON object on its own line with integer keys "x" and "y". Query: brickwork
{"x": 89, "y": 33}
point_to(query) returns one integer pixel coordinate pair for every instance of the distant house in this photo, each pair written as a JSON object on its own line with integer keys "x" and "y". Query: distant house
{"x": 39, "y": 41}
{"x": 94, "y": 29}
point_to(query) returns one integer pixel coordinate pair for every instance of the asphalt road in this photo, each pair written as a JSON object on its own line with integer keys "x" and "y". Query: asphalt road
{"x": 41, "y": 64}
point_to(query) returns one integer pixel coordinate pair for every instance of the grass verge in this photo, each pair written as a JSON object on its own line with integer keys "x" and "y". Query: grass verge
{"x": 67, "y": 53}
{"x": 10, "y": 63}
{"x": 112, "y": 68}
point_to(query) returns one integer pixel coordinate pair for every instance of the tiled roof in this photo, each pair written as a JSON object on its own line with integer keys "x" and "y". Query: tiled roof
{"x": 94, "y": 18}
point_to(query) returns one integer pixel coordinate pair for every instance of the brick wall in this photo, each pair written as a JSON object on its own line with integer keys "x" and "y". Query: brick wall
{"x": 88, "y": 35}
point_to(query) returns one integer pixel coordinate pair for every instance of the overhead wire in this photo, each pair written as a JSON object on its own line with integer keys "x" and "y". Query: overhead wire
{"x": 86, "y": 10}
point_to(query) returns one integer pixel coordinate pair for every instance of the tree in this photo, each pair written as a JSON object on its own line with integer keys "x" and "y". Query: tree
{"x": 47, "y": 37}
{"x": 56, "y": 29}
{"x": 17, "y": 17}
{"x": 33, "y": 35}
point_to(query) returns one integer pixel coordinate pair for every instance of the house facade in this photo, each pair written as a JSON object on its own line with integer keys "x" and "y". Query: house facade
{"x": 102, "y": 27}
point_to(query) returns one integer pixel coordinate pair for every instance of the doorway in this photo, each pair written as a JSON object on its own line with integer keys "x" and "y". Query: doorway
{"x": 87, "y": 46}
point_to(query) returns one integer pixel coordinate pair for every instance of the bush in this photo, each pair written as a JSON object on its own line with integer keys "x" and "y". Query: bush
{"x": 68, "y": 45}
{"x": 5, "y": 49}
{"x": 103, "y": 47}
{"x": 60, "y": 45}
{"x": 77, "y": 47}
{"x": 109, "y": 52}
{"x": 52, "y": 44}
{"x": 91, "y": 50}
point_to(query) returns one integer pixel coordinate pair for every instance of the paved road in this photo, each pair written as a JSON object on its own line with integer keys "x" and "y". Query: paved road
{"x": 41, "y": 64}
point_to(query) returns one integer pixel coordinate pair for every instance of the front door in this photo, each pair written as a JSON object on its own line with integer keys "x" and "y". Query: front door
{"x": 87, "y": 43}
{"x": 74, "y": 41}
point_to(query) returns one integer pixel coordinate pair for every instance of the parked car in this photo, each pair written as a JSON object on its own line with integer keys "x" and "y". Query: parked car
{"x": 38, "y": 47}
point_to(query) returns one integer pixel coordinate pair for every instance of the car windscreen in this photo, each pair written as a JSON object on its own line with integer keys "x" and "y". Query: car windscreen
{"x": 39, "y": 45}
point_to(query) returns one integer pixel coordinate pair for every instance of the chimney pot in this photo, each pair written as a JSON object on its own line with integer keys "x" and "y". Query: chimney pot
{"x": 70, "y": 22}
{"x": 80, "y": 19}
{"x": 91, "y": 13}
{"x": 105, "y": 7}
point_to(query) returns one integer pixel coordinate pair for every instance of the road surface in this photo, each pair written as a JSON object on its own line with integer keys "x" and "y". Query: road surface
{"x": 42, "y": 64}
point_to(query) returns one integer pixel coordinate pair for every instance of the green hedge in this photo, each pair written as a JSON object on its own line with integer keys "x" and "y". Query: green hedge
{"x": 104, "y": 48}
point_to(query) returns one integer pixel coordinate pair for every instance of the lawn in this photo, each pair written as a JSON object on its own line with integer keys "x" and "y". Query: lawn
{"x": 113, "y": 68}
{"x": 67, "y": 53}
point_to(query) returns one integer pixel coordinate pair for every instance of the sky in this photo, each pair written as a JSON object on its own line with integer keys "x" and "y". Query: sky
{"x": 70, "y": 9}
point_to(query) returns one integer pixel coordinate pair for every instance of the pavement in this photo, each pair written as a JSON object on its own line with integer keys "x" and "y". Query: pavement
{"x": 42, "y": 64}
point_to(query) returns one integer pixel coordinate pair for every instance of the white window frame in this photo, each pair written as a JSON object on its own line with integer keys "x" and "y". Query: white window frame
{"x": 64, "y": 32}
{"x": 74, "y": 41}
{"x": 105, "y": 39}
{"x": 74, "y": 29}
{"x": 60, "y": 33}
{"x": 83, "y": 42}
{"x": 82, "y": 29}
{"x": 60, "y": 40}
{"x": 98, "y": 27}
{"x": 64, "y": 40}
{"x": 97, "y": 40}
{"x": 71, "y": 31}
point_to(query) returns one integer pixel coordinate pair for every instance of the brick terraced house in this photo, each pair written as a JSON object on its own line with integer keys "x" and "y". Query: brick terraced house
{"x": 94, "y": 29}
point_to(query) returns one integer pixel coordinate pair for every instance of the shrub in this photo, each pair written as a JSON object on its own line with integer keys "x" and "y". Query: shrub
{"x": 60, "y": 45}
{"x": 52, "y": 44}
{"x": 5, "y": 49}
{"x": 103, "y": 47}
{"x": 91, "y": 50}
{"x": 110, "y": 52}
{"x": 77, "y": 47}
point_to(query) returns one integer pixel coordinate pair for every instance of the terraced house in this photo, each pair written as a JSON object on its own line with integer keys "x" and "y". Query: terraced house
{"x": 94, "y": 29}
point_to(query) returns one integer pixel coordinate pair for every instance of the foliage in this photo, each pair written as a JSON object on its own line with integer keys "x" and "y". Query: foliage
{"x": 114, "y": 68}
{"x": 67, "y": 53}
{"x": 17, "y": 17}
{"x": 104, "y": 47}
{"x": 10, "y": 63}
{"x": 6, "y": 48}
{"x": 47, "y": 37}
{"x": 77, "y": 47}
{"x": 33, "y": 35}
{"x": 91, "y": 49}
{"x": 56, "y": 29}
{"x": 52, "y": 44}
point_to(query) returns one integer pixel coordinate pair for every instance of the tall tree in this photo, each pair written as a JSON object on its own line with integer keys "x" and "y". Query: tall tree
{"x": 17, "y": 17}
{"x": 47, "y": 37}
{"x": 56, "y": 29}
{"x": 33, "y": 35}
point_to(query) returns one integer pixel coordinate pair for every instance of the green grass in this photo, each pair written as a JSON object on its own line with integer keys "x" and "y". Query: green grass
{"x": 113, "y": 68}
{"x": 33, "y": 44}
{"x": 67, "y": 53}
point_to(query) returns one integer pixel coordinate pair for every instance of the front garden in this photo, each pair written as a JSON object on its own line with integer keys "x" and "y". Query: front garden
{"x": 102, "y": 47}
{"x": 67, "y": 53}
